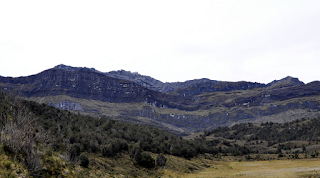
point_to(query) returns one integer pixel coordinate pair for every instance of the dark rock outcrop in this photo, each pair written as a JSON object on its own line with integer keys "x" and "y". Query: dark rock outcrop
{"x": 188, "y": 88}
{"x": 278, "y": 94}
{"x": 214, "y": 86}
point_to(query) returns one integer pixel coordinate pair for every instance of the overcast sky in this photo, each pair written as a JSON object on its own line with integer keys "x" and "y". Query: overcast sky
{"x": 228, "y": 40}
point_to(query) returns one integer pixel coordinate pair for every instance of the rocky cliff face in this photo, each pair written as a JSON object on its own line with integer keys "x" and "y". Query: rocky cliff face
{"x": 277, "y": 94}
{"x": 214, "y": 86}
{"x": 195, "y": 87}
{"x": 88, "y": 84}
{"x": 188, "y": 88}
{"x": 67, "y": 105}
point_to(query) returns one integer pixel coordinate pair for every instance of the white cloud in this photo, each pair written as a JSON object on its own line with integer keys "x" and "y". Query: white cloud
{"x": 168, "y": 40}
{"x": 295, "y": 61}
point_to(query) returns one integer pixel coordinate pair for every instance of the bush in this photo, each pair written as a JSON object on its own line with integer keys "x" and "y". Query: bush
{"x": 133, "y": 150}
{"x": 135, "y": 154}
{"x": 146, "y": 160}
{"x": 74, "y": 151}
{"x": 7, "y": 164}
{"x": 94, "y": 147}
{"x": 107, "y": 150}
{"x": 141, "y": 158}
{"x": 49, "y": 152}
{"x": 161, "y": 160}
{"x": 84, "y": 161}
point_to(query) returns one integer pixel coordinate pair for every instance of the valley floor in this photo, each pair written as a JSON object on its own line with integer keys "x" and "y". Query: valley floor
{"x": 273, "y": 168}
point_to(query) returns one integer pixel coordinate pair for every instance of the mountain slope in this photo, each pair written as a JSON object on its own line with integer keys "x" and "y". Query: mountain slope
{"x": 194, "y": 105}
{"x": 88, "y": 84}
{"x": 188, "y": 88}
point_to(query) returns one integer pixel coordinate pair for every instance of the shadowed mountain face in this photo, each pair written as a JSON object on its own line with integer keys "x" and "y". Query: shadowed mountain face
{"x": 88, "y": 84}
{"x": 188, "y": 88}
{"x": 181, "y": 107}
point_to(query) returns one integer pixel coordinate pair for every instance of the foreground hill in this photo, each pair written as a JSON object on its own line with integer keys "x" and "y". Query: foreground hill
{"x": 43, "y": 141}
{"x": 181, "y": 107}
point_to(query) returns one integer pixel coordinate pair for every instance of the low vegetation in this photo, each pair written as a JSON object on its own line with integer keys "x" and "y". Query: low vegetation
{"x": 39, "y": 140}
{"x": 47, "y": 140}
{"x": 304, "y": 130}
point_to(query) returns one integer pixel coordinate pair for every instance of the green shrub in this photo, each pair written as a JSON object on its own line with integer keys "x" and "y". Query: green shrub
{"x": 141, "y": 158}
{"x": 146, "y": 160}
{"x": 7, "y": 164}
{"x": 84, "y": 161}
{"x": 107, "y": 150}
{"x": 135, "y": 153}
{"x": 1, "y": 148}
{"x": 161, "y": 160}
{"x": 49, "y": 152}
{"x": 94, "y": 147}
{"x": 12, "y": 176}
{"x": 74, "y": 151}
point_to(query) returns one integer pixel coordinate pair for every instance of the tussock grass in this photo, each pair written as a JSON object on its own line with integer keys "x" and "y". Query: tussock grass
{"x": 10, "y": 168}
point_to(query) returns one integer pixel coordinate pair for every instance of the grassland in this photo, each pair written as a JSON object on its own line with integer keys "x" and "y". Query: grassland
{"x": 229, "y": 167}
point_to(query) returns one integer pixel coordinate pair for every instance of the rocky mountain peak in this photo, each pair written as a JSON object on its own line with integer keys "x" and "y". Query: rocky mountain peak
{"x": 66, "y": 68}
{"x": 285, "y": 82}
{"x": 70, "y": 68}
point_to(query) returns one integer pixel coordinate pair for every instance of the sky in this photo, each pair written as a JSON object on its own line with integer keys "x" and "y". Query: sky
{"x": 227, "y": 40}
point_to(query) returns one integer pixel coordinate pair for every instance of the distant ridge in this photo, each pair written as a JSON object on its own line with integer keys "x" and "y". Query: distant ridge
{"x": 170, "y": 87}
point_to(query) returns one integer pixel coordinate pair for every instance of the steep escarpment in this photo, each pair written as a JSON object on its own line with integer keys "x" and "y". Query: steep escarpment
{"x": 85, "y": 83}
{"x": 191, "y": 88}
{"x": 188, "y": 88}
{"x": 278, "y": 94}
{"x": 214, "y": 86}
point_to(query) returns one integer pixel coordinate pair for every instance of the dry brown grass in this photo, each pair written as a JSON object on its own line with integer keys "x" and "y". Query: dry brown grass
{"x": 273, "y": 168}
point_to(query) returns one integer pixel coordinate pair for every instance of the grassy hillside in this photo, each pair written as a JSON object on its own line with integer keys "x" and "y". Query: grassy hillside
{"x": 41, "y": 140}
{"x": 46, "y": 141}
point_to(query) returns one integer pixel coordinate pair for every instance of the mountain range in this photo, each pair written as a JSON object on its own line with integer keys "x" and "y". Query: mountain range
{"x": 179, "y": 107}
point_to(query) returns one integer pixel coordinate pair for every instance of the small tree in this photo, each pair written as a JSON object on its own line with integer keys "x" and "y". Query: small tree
{"x": 146, "y": 160}
{"x": 141, "y": 158}
{"x": 161, "y": 160}
{"x": 136, "y": 154}
{"x": 74, "y": 151}
{"x": 107, "y": 150}
{"x": 20, "y": 131}
{"x": 94, "y": 147}
{"x": 134, "y": 151}
{"x": 84, "y": 161}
